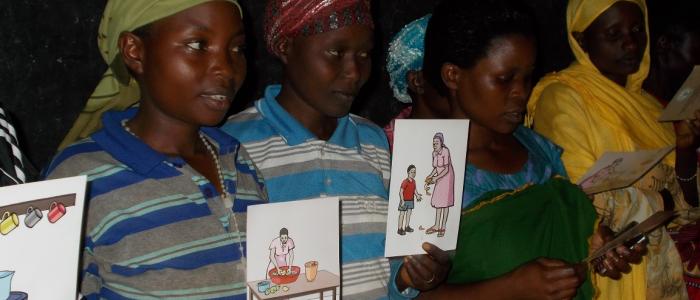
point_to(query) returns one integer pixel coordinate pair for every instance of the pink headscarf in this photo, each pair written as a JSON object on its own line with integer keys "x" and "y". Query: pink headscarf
{"x": 290, "y": 18}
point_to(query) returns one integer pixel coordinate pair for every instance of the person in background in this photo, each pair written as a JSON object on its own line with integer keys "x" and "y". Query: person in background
{"x": 596, "y": 105}
{"x": 674, "y": 46}
{"x": 167, "y": 193}
{"x": 524, "y": 226}
{"x": 307, "y": 145}
{"x": 675, "y": 50}
{"x": 404, "y": 65}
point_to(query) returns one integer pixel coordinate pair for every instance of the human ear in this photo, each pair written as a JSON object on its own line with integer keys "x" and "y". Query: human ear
{"x": 131, "y": 50}
{"x": 578, "y": 36}
{"x": 416, "y": 82}
{"x": 283, "y": 48}
{"x": 450, "y": 76}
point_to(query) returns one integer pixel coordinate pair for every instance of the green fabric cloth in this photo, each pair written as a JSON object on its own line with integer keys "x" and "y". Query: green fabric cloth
{"x": 505, "y": 229}
{"x": 117, "y": 90}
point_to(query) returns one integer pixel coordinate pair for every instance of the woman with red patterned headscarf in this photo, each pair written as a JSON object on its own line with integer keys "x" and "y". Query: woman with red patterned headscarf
{"x": 308, "y": 145}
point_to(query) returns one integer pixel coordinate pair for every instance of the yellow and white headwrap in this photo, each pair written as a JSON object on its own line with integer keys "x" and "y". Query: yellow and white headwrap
{"x": 632, "y": 110}
{"x": 117, "y": 90}
{"x": 581, "y": 13}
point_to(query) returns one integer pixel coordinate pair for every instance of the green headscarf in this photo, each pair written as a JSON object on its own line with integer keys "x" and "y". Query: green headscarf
{"x": 117, "y": 90}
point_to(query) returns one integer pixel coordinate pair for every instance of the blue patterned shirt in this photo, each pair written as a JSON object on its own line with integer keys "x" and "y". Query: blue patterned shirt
{"x": 155, "y": 227}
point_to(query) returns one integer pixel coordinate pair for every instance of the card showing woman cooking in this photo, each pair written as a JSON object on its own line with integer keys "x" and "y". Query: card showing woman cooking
{"x": 427, "y": 176}
{"x": 293, "y": 250}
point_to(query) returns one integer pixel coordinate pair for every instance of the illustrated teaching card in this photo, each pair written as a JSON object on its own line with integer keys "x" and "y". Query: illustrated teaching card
{"x": 40, "y": 235}
{"x": 616, "y": 170}
{"x": 686, "y": 101}
{"x": 427, "y": 179}
{"x": 293, "y": 249}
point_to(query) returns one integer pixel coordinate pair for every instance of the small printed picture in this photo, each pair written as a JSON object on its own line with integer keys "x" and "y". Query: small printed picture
{"x": 427, "y": 178}
{"x": 293, "y": 250}
{"x": 40, "y": 237}
{"x": 616, "y": 170}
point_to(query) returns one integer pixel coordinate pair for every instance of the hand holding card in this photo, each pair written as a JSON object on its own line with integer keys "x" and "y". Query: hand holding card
{"x": 615, "y": 254}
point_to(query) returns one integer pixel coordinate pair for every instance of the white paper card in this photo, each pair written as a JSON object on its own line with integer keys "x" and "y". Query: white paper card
{"x": 310, "y": 245}
{"x": 437, "y": 150}
{"x": 616, "y": 170}
{"x": 40, "y": 236}
{"x": 686, "y": 100}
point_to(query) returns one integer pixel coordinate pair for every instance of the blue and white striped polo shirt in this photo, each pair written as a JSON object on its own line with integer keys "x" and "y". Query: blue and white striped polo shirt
{"x": 156, "y": 228}
{"x": 353, "y": 164}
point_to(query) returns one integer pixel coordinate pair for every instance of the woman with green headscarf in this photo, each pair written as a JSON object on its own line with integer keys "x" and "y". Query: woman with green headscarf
{"x": 117, "y": 90}
{"x": 168, "y": 192}
{"x": 596, "y": 105}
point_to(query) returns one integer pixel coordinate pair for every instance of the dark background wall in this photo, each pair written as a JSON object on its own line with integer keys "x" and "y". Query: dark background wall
{"x": 49, "y": 61}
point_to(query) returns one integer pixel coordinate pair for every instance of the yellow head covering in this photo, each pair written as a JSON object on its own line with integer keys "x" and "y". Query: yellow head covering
{"x": 633, "y": 112}
{"x": 581, "y": 13}
{"x": 117, "y": 90}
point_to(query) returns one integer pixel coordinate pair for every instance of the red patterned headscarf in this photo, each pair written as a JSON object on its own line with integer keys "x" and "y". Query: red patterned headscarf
{"x": 291, "y": 18}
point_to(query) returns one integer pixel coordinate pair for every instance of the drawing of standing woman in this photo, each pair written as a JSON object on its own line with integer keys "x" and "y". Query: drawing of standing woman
{"x": 443, "y": 178}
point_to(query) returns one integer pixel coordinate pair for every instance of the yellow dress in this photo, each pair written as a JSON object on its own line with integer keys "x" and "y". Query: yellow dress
{"x": 587, "y": 114}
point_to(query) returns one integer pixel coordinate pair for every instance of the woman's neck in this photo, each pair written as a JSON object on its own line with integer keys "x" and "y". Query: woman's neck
{"x": 165, "y": 134}
{"x": 429, "y": 106}
{"x": 621, "y": 80}
{"x": 482, "y": 138}
{"x": 422, "y": 111}
{"x": 320, "y": 125}
{"x": 495, "y": 152}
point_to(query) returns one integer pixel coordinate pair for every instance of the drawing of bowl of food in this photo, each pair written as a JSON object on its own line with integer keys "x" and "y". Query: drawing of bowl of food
{"x": 288, "y": 275}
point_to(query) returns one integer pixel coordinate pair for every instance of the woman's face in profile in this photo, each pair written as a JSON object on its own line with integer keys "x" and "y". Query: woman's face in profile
{"x": 616, "y": 40}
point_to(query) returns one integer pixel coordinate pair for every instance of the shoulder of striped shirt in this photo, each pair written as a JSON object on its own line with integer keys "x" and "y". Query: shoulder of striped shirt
{"x": 248, "y": 127}
{"x": 371, "y": 133}
{"x": 250, "y": 113}
{"x": 74, "y": 151}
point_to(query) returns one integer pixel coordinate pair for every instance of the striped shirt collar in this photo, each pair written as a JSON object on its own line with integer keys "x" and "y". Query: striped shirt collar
{"x": 346, "y": 134}
{"x": 141, "y": 158}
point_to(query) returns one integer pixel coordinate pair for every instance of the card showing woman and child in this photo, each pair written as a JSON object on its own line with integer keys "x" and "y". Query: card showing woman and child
{"x": 427, "y": 178}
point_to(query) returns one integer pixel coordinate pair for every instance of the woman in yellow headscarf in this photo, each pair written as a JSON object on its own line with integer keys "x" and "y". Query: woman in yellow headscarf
{"x": 596, "y": 105}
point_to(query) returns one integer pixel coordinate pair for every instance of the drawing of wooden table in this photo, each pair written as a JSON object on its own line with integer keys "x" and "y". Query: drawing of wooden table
{"x": 325, "y": 281}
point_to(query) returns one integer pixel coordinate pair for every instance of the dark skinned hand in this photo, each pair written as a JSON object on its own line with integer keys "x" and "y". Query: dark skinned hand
{"x": 688, "y": 132}
{"x": 546, "y": 278}
{"x": 617, "y": 261}
{"x": 427, "y": 271}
